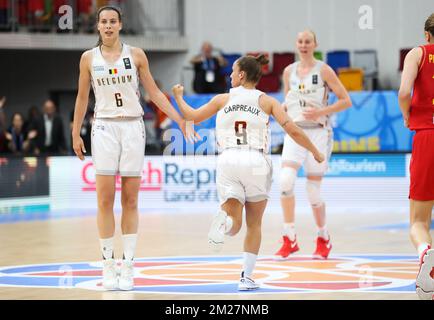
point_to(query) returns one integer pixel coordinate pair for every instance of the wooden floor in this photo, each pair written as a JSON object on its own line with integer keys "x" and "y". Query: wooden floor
{"x": 74, "y": 239}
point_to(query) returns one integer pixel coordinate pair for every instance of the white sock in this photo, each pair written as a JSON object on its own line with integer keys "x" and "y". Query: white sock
{"x": 289, "y": 230}
{"x": 106, "y": 248}
{"x": 421, "y": 248}
{"x": 323, "y": 233}
{"x": 249, "y": 263}
{"x": 129, "y": 243}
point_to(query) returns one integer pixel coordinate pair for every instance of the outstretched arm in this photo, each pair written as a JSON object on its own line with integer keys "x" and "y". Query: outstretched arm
{"x": 290, "y": 127}
{"x": 204, "y": 112}
{"x": 409, "y": 74}
{"x": 158, "y": 97}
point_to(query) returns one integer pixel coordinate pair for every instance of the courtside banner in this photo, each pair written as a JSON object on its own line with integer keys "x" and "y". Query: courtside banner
{"x": 189, "y": 183}
{"x": 355, "y": 165}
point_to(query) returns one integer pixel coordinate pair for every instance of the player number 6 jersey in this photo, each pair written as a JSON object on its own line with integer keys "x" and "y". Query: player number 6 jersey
{"x": 115, "y": 85}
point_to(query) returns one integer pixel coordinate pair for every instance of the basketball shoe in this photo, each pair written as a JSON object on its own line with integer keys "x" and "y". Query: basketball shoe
{"x": 126, "y": 278}
{"x": 323, "y": 248}
{"x": 247, "y": 284}
{"x": 216, "y": 234}
{"x": 288, "y": 247}
{"x": 109, "y": 275}
{"x": 425, "y": 277}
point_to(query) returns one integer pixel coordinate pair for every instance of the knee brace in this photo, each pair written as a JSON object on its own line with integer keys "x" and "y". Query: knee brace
{"x": 313, "y": 189}
{"x": 287, "y": 181}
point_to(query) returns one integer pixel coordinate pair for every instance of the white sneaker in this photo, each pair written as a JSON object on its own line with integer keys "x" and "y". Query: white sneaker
{"x": 247, "y": 284}
{"x": 424, "y": 295}
{"x": 126, "y": 278}
{"x": 216, "y": 234}
{"x": 109, "y": 275}
{"x": 424, "y": 280}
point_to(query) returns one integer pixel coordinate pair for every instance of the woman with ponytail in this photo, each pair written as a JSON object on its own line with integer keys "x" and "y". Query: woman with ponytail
{"x": 244, "y": 168}
{"x": 115, "y": 71}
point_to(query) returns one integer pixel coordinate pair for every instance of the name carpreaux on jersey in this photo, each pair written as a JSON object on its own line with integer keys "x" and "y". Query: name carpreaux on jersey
{"x": 115, "y": 85}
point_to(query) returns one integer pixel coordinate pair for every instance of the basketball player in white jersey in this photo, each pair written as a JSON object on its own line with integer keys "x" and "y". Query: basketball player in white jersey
{"x": 243, "y": 168}
{"x": 118, "y": 135}
{"x": 306, "y": 86}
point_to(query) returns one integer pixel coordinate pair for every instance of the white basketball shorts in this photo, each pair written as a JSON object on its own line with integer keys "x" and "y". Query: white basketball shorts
{"x": 118, "y": 146}
{"x": 243, "y": 174}
{"x": 293, "y": 153}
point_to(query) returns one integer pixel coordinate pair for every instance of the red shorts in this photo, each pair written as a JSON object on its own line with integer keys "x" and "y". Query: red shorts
{"x": 422, "y": 166}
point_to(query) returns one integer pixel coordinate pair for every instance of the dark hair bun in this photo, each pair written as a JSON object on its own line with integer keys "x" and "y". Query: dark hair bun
{"x": 262, "y": 59}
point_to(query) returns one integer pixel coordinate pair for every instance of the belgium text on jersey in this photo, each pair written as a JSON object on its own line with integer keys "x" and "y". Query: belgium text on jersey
{"x": 114, "y": 80}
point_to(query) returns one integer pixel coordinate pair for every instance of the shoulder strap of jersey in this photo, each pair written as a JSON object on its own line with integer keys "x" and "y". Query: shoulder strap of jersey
{"x": 422, "y": 60}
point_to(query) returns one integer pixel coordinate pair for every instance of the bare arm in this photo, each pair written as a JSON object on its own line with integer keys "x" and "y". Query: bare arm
{"x": 289, "y": 126}
{"x": 285, "y": 80}
{"x": 204, "y": 112}
{"x": 81, "y": 104}
{"x": 333, "y": 82}
{"x": 158, "y": 97}
{"x": 151, "y": 88}
{"x": 409, "y": 74}
{"x": 196, "y": 59}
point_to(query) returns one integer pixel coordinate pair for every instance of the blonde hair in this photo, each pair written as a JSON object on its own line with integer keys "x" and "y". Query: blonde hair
{"x": 312, "y": 33}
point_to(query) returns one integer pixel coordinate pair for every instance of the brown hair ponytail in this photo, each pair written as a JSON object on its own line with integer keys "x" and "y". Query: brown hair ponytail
{"x": 252, "y": 66}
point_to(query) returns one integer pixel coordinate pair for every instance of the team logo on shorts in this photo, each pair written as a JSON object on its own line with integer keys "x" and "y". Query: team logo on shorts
{"x": 220, "y": 275}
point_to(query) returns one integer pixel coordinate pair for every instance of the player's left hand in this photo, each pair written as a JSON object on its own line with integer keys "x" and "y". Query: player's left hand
{"x": 187, "y": 128}
{"x": 319, "y": 157}
{"x": 311, "y": 113}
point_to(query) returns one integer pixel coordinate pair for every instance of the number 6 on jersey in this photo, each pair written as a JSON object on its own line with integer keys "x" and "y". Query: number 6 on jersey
{"x": 119, "y": 102}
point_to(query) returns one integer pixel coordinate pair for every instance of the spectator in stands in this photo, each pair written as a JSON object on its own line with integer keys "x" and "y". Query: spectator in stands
{"x": 162, "y": 122}
{"x": 50, "y": 136}
{"x": 3, "y": 142}
{"x": 85, "y": 12}
{"x": 19, "y": 141}
{"x": 32, "y": 115}
{"x": 207, "y": 75}
{"x": 40, "y": 14}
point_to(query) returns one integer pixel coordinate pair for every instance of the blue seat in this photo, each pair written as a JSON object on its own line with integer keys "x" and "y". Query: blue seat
{"x": 230, "y": 58}
{"x": 226, "y": 71}
{"x": 338, "y": 59}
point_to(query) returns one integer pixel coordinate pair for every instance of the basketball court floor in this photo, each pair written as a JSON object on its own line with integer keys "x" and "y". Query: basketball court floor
{"x": 55, "y": 256}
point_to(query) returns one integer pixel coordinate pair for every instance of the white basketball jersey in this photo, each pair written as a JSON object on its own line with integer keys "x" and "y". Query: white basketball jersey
{"x": 311, "y": 89}
{"x": 115, "y": 85}
{"x": 241, "y": 123}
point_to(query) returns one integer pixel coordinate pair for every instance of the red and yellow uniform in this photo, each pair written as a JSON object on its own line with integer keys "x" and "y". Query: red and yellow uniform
{"x": 422, "y": 121}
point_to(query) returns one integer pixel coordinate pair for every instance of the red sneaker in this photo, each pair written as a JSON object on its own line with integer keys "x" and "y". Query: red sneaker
{"x": 288, "y": 247}
{"x": 323, "y": 248}
{"x": 425, "y": 276}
